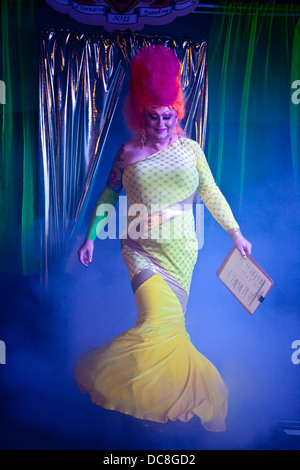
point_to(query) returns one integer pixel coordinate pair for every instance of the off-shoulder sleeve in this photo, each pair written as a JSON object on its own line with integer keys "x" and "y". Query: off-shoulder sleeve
{"x": 210, "y": 193}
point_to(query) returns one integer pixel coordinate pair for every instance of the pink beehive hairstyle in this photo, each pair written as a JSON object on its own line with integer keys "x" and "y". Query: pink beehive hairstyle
{"x": 154, "y": 81}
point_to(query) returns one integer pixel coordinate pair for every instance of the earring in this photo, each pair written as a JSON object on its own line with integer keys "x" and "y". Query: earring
{"x": 143, "y": 138}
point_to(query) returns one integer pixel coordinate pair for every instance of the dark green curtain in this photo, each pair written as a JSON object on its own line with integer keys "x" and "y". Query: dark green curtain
{"x": 18, "y": 180}
{"x": 253, "y": 59}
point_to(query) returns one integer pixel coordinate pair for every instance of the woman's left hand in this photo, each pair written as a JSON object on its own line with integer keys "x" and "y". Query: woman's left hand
{"x": 243, "y": 246}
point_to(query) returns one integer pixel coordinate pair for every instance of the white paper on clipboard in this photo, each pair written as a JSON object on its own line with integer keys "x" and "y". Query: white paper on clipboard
{"x": 247, "y": 281}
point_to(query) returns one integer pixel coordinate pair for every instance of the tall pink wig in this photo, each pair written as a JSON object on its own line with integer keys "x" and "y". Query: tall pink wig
{"x": 154, "y": 81}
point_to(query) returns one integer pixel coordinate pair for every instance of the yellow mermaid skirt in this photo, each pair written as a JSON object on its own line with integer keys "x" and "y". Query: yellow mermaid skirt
{"x": 152, "y": 371}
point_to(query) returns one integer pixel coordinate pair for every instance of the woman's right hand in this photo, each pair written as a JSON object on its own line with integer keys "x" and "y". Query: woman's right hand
{"x": 85, "y": 252}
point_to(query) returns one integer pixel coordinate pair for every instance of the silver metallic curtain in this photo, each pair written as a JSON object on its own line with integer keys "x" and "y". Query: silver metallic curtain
{"x": 81, "y": 78}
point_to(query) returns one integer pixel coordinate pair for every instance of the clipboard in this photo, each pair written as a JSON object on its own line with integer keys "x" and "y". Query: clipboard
{"x": 245, "y": 279}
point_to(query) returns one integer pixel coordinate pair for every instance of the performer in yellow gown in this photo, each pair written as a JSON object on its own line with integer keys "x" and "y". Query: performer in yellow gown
{"x": 152, "y": 371}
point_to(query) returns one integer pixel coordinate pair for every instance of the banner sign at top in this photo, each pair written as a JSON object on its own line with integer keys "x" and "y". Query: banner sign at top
{"x": 124, "y": 14}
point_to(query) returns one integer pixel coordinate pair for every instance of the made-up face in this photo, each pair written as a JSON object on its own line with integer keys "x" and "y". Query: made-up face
{"x": 160, "y": 123}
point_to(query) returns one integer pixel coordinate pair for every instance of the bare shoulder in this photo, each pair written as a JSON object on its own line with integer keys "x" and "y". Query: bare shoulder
{"x": 132, "y": 152}
{"x": 132, "y": 147}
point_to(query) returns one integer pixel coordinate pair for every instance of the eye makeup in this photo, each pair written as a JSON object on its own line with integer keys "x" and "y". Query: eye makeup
{"x": 153, "y": 117}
